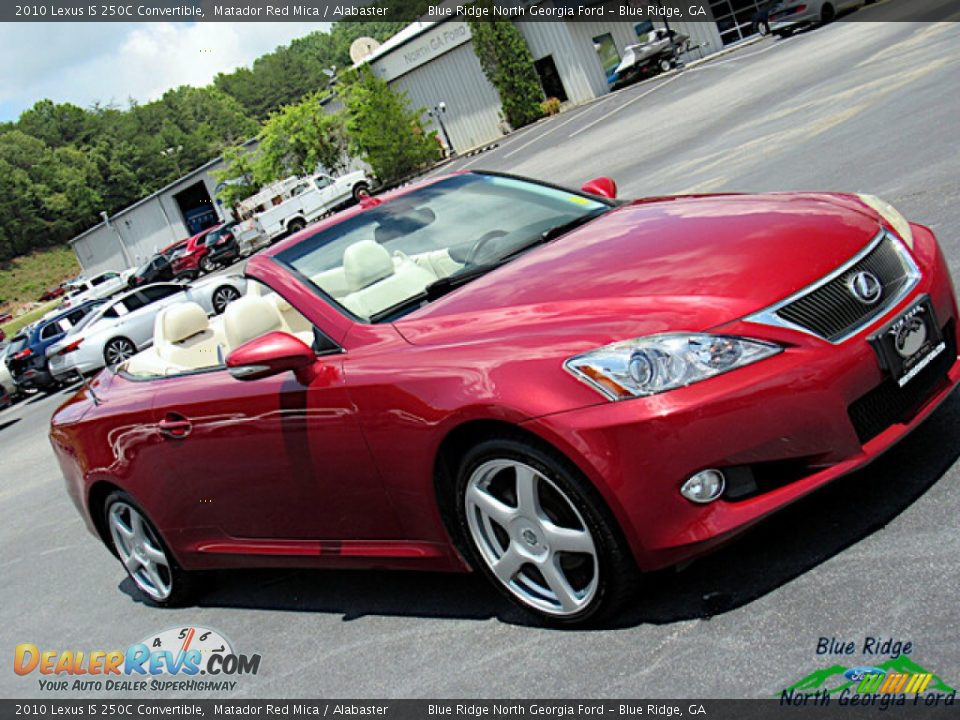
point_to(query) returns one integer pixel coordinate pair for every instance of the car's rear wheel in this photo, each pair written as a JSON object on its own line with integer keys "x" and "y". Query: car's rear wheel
{"x": 118, "y": 350}
{"x": 296, "y": 225}
{"x": 222, "y": 297}
{"x": 540, "y": 533}
{"x": 827, "y": 14}
{"x": 143, "y": 553}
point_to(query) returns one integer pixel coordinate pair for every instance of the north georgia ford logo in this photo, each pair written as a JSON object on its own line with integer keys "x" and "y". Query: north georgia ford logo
{"x": 909, "y": 333}
{"x": 147, "y": 665}
{"x": 910, "y": 337}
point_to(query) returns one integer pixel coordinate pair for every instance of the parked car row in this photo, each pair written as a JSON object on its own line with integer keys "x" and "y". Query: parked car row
{"x": 99, "y": 333}
{"x": 123, "y": 326}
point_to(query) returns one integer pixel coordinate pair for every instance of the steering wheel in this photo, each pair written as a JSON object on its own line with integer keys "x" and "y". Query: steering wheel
{"x": 481, "y": 242}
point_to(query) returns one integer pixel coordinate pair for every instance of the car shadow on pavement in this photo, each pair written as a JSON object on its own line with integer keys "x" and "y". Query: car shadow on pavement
{"x": 768, "y": 556}
{"x": 8, "y": 423}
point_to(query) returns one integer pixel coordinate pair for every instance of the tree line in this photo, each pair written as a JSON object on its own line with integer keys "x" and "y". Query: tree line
{"x": 61, "y": 165}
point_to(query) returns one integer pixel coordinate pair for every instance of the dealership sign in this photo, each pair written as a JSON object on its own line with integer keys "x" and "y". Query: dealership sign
{"x": 438, "y": 40}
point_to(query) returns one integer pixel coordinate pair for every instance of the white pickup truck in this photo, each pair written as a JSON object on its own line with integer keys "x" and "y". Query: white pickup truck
{"x": 310, "y": 199}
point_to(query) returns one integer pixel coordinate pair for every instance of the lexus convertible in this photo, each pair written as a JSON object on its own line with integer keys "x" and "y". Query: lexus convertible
{"x": 552, "y": 387}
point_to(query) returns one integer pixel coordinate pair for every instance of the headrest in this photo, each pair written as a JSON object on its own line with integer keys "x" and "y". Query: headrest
{"x": 248, "y": 317}
{"x": 183, "y": 320}
{"x": 366, "y": 262}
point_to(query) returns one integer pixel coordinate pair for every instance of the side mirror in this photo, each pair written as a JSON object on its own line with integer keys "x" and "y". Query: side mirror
{"x": 270, "y": 354}
{"x": 603, "y": 186}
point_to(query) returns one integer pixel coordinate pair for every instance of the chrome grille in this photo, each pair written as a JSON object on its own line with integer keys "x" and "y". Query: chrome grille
{"x": 829, "y": 308}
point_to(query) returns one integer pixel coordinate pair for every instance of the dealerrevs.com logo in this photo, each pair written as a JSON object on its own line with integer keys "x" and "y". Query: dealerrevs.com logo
{"x": 178, "y": 659}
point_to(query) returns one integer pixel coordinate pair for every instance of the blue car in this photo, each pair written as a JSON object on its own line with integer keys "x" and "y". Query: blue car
{"x": 27, "y": 358}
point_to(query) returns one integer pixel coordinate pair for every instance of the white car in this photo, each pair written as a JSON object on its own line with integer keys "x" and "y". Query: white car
{"x": 785, "y": 16}
{"x": 6, "y": 379}
{"x": 123, "y": 326}
{"x": 98, "y": 287}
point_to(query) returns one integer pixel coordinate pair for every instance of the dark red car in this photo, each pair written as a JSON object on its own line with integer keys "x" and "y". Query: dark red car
{"x": 52, "y": 293}
{"x": 194, "y": 259}
{"x": 549, "y": 386}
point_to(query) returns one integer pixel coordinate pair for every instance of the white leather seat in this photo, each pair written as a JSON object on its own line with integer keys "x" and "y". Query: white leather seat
{"x": 250, "y": 317}
{"x": 376, "y": 281}
{"x": 182, "y": 337}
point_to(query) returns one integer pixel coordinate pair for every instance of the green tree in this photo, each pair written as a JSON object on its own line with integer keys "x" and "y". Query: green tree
{"x": 383, "y": 130}
{"x": 297, "y": 138}
{"x": 508, "y": 65}
{"x": 237, "y": 179}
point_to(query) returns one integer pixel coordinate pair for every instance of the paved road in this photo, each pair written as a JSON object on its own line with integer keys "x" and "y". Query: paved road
{"x": 857, "y": 106}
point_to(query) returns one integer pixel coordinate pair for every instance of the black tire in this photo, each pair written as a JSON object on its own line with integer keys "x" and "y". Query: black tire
{"x": 665, "y": 65}
{"x": 360, "y": 187}
{"x": 296, "y": 225}
{"x": 223, "y": 296}
{"x": 182, "y": 584}
{"x": 827, "y": 14}
{"x": 116, "y": 347}
{"x": 617, "y": 573}
{"x": 207, "y": 265}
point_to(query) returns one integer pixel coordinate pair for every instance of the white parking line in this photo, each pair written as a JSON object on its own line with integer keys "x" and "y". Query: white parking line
{"x": 574, "y": 115}
{"x": 621, "y": 107}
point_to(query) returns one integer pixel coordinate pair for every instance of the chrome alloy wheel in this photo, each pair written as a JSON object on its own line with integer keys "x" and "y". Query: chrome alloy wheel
{"x": 223, "y": 297}
{"x": 140, "y": 551}
{"x": 532, "y": 537}
{"x": 118, "y": 350}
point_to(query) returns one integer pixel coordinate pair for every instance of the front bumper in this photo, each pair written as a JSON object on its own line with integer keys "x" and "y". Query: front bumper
{"x": 788, "y": 418}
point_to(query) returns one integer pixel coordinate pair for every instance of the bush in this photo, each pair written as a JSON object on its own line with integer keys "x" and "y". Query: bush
{"x": 550, "y": 106}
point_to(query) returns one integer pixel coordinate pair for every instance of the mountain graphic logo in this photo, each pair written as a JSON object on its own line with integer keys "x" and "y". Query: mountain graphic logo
{"x": 901, "y": 674}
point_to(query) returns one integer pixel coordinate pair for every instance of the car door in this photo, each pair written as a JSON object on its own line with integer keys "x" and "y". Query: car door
{"x": 271, "y": 458}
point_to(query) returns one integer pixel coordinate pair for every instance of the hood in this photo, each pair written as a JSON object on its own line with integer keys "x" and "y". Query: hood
{"x": 657, "y": 265}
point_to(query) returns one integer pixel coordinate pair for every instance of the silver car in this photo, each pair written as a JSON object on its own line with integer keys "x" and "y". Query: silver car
{"x": 123, "y": 326}
{"x": 785, "y": 16}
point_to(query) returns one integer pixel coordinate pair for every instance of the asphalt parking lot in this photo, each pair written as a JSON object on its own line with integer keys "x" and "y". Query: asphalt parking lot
{"x": 853, "y": 106}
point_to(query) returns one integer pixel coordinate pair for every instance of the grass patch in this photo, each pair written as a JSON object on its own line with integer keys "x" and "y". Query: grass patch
{"x": 23, "y": 280}
{"x": 28, "y": 317}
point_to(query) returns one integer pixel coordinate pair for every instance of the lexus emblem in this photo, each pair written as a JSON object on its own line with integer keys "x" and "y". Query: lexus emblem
{"x": 865, "y": 287}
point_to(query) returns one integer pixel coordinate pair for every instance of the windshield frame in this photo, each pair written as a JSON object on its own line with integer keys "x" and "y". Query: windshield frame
{"x": 388, "y": 315}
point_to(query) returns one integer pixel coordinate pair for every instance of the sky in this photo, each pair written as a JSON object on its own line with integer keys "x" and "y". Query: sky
{"x": 83, "y": 63}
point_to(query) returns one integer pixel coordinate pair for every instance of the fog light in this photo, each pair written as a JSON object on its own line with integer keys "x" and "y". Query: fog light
{"x": 706, "y": 486}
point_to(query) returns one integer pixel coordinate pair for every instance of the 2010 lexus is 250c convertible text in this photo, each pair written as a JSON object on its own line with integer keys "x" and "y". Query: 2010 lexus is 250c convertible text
{"x": 556, "y": 388}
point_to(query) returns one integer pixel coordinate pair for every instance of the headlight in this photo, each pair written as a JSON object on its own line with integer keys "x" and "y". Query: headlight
{"x": 655, "y": 364}
{"x": 891, "y": 215}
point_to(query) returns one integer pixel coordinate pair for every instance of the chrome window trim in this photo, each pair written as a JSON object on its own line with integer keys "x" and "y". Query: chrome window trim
{"x": 768, "y": 316}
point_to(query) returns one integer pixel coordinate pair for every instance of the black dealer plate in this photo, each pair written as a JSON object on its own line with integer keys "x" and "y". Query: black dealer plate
{"x": 906, "y": 345}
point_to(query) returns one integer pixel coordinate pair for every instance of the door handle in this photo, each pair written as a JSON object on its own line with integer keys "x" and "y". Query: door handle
{"x": 175, "y": 426}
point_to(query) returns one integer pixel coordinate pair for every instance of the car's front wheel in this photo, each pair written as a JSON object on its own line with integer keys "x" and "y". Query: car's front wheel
{"x": 207, "y": 265}
{"x": 143, "y": 554}
{"x": 540, "y": 533}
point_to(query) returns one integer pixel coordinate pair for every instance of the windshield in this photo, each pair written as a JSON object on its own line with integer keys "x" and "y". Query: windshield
{"x": 390, "y": 256}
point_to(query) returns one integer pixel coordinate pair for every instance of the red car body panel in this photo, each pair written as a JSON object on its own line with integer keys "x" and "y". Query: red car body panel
{"x": 342, "y": 472}
{"x": 195, "y": 252}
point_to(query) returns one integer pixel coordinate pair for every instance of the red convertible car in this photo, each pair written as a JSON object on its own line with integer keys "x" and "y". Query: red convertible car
{"x": 553, "y": 387}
